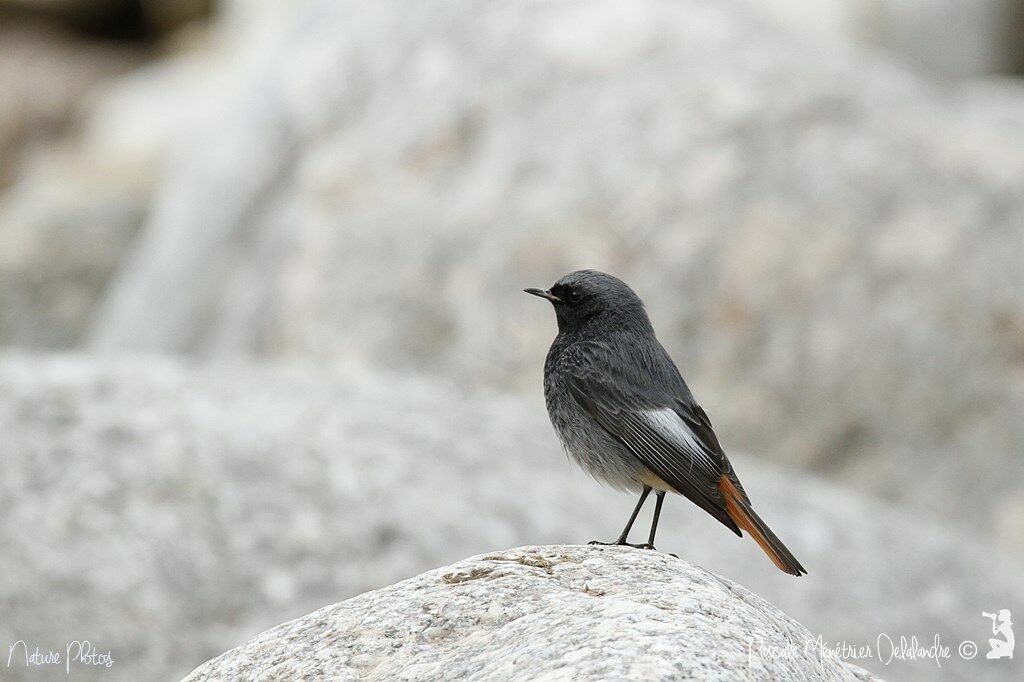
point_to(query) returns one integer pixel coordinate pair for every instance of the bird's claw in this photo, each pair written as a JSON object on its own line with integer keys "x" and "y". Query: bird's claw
{"x": 623, "y": 543}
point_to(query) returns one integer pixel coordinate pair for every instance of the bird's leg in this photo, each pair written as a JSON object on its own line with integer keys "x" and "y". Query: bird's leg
{"x": 629, "y": 524}
{"x": 654, "y": 522}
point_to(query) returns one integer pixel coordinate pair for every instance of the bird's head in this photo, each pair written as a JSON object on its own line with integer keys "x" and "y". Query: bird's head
{"x": 585, "y": 296}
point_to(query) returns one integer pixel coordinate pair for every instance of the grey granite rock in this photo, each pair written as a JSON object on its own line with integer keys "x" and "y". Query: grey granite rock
{"x": 168, "y": 512}
{"x": 560, "y": 612}
{"x": 60, "y": 242}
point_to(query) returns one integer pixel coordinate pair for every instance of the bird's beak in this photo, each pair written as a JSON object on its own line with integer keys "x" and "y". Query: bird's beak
{"x": 543, "y": 294}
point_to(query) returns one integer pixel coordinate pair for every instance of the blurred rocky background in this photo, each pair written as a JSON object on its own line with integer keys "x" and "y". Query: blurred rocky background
{"x": 821, "y": 203}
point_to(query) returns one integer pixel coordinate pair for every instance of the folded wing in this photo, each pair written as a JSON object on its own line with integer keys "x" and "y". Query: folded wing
{"x": 670, "y": 435}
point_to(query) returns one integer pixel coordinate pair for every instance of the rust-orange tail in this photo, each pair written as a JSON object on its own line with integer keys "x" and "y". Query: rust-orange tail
{"x": 737, "y": 506}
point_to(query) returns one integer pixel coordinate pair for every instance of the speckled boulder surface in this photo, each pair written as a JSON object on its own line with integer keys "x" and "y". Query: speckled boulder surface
{"x": 169, "y": 512}
{"x": 554, "y": 613}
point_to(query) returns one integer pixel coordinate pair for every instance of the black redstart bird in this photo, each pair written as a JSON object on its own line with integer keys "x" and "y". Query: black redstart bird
{"x": 624, "y": 413}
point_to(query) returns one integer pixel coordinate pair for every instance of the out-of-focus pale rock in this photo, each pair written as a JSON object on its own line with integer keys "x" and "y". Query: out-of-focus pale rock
{"x": 560, "y": 612}
{"x": 74, "y": 205}
{"x": 44, "y": 75}
{"x": 829, "y": 245}
{"x": 945, "y": 38}
{"x": 169, "y": 512}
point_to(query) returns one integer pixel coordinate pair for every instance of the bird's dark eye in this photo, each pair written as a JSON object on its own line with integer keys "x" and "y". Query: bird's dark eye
{"x": 573, "y": 295}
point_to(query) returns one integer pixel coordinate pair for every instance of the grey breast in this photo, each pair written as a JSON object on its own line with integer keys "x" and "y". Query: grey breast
{"x": 585, "y": 441}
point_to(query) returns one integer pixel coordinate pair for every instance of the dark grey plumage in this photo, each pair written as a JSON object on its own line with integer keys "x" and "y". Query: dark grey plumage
{"x": 624, "y": 413}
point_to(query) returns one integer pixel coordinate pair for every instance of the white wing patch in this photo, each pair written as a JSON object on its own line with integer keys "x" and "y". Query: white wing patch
{"x": 671, "y": 427}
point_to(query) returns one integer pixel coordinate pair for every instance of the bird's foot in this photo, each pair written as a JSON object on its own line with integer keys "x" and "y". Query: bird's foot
{"x": 622, "y": 543}
{"x": 649, "y": 545}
